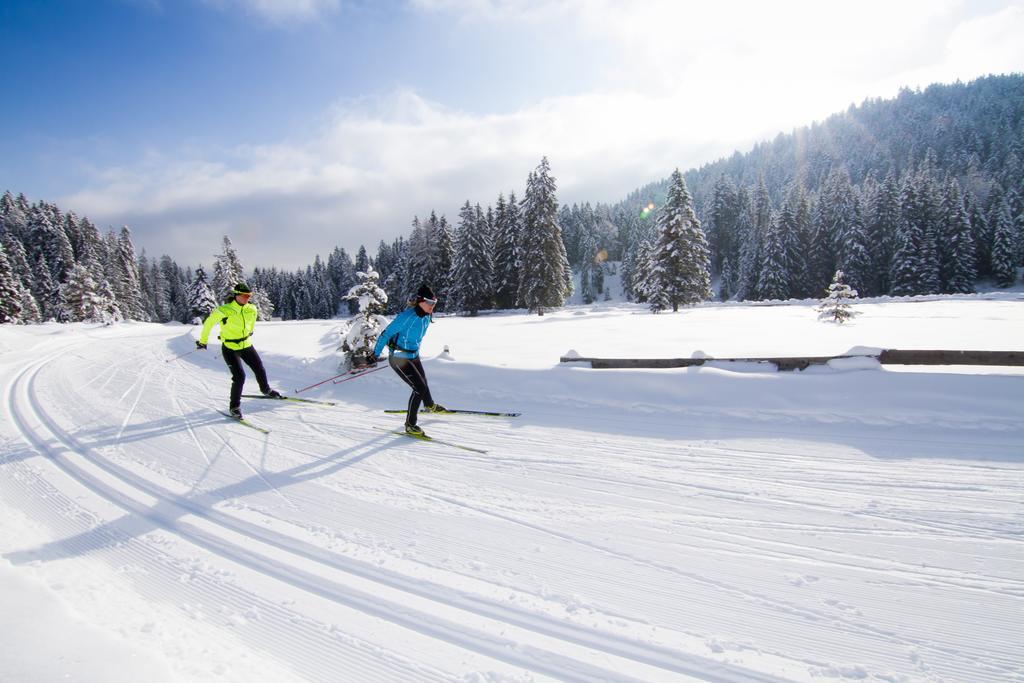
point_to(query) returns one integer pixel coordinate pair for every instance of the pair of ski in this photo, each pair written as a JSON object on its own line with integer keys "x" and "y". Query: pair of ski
{"x": 424, "y": 437}
{"x": 264, "y": 430}
{"x": 419, "y": 437}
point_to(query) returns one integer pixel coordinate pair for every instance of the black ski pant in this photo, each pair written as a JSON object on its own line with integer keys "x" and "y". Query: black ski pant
{"x": 234, "y": 360}
{"x": 411, "y": 372}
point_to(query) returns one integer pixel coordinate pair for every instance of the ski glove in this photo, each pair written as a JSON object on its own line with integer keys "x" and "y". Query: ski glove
{"x": 200, "y": 346}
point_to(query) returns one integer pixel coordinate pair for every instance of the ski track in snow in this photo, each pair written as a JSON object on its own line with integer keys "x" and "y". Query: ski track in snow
{"x": 561, "y": 554}
{"x": 62, "y": 448}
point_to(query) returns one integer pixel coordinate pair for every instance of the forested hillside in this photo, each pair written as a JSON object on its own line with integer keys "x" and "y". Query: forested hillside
{"x": 918, "y": 194}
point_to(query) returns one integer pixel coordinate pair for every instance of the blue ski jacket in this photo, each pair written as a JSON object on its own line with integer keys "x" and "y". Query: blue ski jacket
{"x": 404, "y": 334}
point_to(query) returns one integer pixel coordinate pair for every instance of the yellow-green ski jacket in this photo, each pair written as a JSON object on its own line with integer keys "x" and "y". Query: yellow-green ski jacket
{"x": 236, "y": 325}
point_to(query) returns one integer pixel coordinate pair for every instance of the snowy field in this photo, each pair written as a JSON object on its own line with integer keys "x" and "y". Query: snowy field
{"x": 713, "y": 523}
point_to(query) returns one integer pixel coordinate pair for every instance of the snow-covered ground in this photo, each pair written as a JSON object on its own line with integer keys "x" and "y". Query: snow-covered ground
{"x": 710, "y": 523}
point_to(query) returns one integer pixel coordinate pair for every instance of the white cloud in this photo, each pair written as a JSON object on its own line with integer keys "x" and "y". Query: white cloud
{"x": 690, "y": 83}
{"x": 377, "y": 162}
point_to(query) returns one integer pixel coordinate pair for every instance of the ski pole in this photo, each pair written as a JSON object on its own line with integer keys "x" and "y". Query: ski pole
{"x": 313, "y": 386}
{"x": 181, "y": 356}
{"x": 360, "y": 374}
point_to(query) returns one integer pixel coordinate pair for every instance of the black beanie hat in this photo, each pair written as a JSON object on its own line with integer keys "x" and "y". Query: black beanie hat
{"x": 241, "y": 288}
{"x": 425, "y": 292}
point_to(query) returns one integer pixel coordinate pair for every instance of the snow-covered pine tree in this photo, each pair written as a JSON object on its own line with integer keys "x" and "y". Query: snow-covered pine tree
{"x": 431, "y": 256}
{"x": 835, "y": 307}
{"x": 390, "y": 264}
{"x": 83, "y": 301}
{"x": 72, "y": 226}
{"x": 981, "y": 235}
{"x": 723, "y": 226}
{"x": 362, "y": 261}
{"x": 22, "y": 274}
{"x": 958, "y": 270}
{"x": 15, "y": 211}
{"x": 854, "y": 256}
{"x": 227, "y": 271}
{"x": 906, "y": 274}
{"x": 200, "y": 297}
{"x": 80, "y": 232}
{"x": 546, "y": 280}
{"x": 302, "y": 296}
{"x": 928, "y": 211}
{"x": 48, "y": 238}
{"x": 12, "y": 219}
{"x": 177, "y": 285}
{"x": 472, "y": 270}
{"x": 323, "y": 290}
{"x": 360, "y": 334}
{"x": 127, "y": 285}
{"x": 263, "y": 303}
{"x": 155, "y": 289}
{"x": 725, "y": 282}
{"x": 682, "y": 274}
{"x": 30, "y": 312}
{"x": 775, "y": 276}
{"x": 343, "y": 275}
{"x": 658, "y": 296}
{"x": 818, "y": 256}
{"x": 417, "y": 264}
{"x": 840, "y": 230}
{"x": 443, "y": 256}
{"x": 506, "y": 252}
{"x": 1004, "y": 261}
{"x": 1015, "y": 203}
{"x": 107, "y": 300}
{"x": 10, "y": 292}
{"x": 883, "y": 217}
{"x": 61, "y": 256}
{"x": 276, "y": 284}
{"x": 571, "y": 223}
{"x": 643, "y": 272}
{"x": 637, "y": 266}
{"x": 44, "y": 290}
{"x": 796, "y": 238}
{"x": 749, "y": 243}
{"x": 491, "y": 229}
{"x": 763, "y": 214}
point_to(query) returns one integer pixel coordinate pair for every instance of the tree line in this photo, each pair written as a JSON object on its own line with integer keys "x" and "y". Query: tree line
{"x": 57, "y": 266}
{"x": 916, "y": 195}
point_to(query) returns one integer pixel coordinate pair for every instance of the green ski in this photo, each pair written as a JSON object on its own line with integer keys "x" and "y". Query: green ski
{"x": 452, "y": 411}
{"x": 243, "y": 421}
{"x": 290, "y": 398}
{"x": 424, "y": 437}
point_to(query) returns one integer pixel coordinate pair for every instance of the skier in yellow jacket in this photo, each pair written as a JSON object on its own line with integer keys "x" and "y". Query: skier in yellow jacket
{"x": 237, "y": 318}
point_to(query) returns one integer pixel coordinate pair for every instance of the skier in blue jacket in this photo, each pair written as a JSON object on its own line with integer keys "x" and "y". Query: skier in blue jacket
{"x": 403, "y": 337}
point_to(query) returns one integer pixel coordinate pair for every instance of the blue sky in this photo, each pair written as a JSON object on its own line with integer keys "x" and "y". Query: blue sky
{"x": 296, "y": 125}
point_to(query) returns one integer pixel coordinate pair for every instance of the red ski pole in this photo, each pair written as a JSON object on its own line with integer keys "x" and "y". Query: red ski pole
{"x": 360, "y": 374}
{"x": 313, "y": 386}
